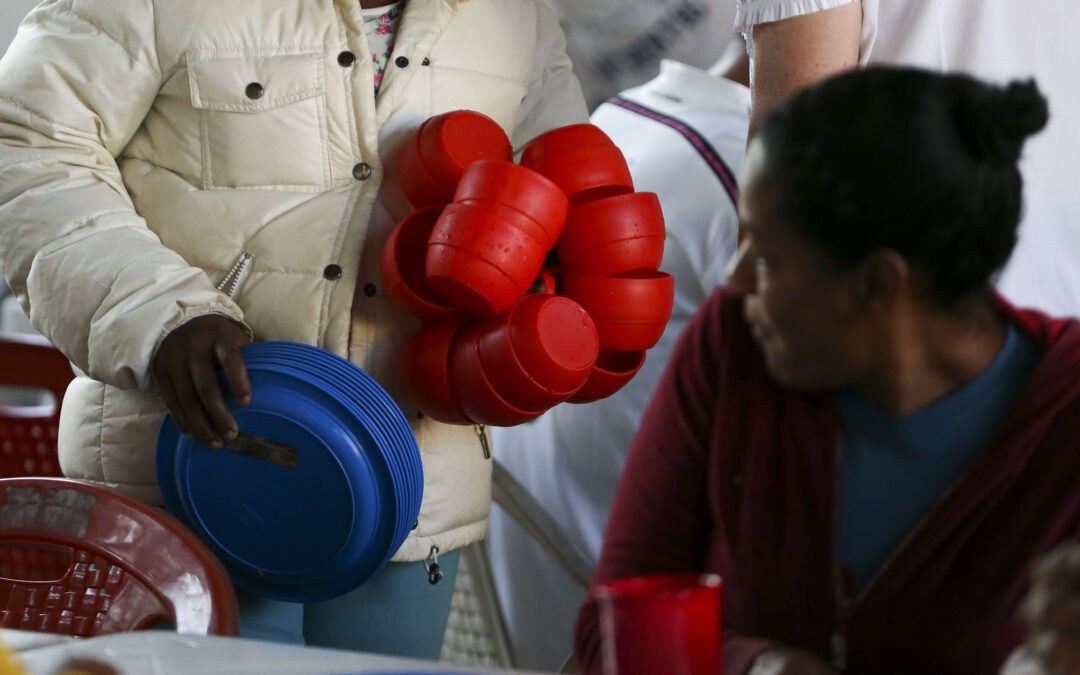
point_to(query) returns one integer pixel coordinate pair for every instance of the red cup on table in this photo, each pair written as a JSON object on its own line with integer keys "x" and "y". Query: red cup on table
{"x": 538, "y": 353}
{"x": 667, "y": 623}
{"x": 582, "y": 160}
{"x": 630, "y": 309}
{"x": 425, "y": 372}
{"x": 613, "y": 235}
{"x": 480, "y": 260}
{"x": 613, "y": 370}
{"x": 474, "y": 392}
{"x": 541, "y": 204}
{"x": 433, "y": 159}
{"x": 402, "y": 268}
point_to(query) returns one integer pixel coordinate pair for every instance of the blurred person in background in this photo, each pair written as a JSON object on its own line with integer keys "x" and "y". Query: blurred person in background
{"x": 180, "y": 177}
{"x": 683, "y": 135}
{"x": 794, "y": 43}
{"x": 866, "y": 442}
{"x": 617, "y": 44}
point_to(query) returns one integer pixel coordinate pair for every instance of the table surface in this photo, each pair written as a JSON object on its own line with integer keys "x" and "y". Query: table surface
{"x": 168, "y": 653}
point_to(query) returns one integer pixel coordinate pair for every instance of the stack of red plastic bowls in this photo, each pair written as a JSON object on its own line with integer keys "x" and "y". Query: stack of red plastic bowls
{"x": 609, "y": 251}
{"x": 476, "y": 262}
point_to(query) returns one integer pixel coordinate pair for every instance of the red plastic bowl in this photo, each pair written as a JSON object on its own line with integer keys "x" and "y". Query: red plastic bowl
{"x": 555, "y": 340}
{"x": 612, "y": 372}
{"x": 433, "y": 159}
{"x": 425, "y": 377}
{"x": 402, "y": 268}
{"x": 474, "y": 392}
{"x": 613, "y": 235}
{"x": 420, "y": 187}
{"x": 518, "y": 188}
{"x": 581, "y": 160}
{"x": 630, "y": 309}
{"x": 538, "y": 353}
{"x": 565, "y": 139}
{"x": 522, "y": 221}
{"x": 451, "y": 142}
{"x": 480, "y": 261}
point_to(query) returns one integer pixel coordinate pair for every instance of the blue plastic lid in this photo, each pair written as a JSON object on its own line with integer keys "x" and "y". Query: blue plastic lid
{"x": 317, "y": 493}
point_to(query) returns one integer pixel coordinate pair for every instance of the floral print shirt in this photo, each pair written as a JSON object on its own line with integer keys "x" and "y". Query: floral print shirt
{"x": 380, "y": 23}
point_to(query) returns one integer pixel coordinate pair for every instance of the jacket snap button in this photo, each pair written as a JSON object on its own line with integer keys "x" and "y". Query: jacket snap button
{"x": 402, "y": 62}
{"x": 254, "y": 90}
{"x": 346, "y": 59}
{"x": 332, "y": 272}
{"x": 370, "y": 290}
{"x": 361, "y": 171}
{"x": 426, "y": 62}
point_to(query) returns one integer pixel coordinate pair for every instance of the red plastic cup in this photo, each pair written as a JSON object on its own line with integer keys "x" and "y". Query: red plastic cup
{"x": 667, "y": 623}
{"x": 474, "y": 393}
{"x": 431, "y": 162}
{"x": 480, "y": 261}
{"x": 613, "y": 370}
{"x": 581, "y": 160}
{"x": 614, "y": 235}
{"x": 402, "y": 268}
{"x": 539, "y": 352}
{"x": 630, "y": 309}
{"x": 425, "y": 372}
{"x": 518, "y": 188}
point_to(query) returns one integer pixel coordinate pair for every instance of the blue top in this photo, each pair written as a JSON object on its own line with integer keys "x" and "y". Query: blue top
{"x": 896, "y": 468}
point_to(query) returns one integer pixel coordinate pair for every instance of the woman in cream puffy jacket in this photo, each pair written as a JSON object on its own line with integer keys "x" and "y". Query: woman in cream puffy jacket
{"x": 148, "y": 148}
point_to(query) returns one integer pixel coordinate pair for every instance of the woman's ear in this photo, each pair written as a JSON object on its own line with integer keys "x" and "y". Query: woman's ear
{"x": 880, "y": 280}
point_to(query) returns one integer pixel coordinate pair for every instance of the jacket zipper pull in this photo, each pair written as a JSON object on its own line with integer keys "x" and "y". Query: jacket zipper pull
{"x": 481, "y": 432}
{"x": 230, "y": 285}
{"x": 431, "y": 566}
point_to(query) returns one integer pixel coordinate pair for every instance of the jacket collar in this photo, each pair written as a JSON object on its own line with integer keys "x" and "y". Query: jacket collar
{"x": 1055, "y": 382}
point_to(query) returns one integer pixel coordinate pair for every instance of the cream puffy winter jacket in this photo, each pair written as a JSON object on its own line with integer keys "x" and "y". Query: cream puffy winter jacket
{"x": 148, "y": 147}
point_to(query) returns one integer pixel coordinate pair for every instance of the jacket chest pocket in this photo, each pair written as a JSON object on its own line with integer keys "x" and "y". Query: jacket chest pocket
{"x": 263, "y": 122}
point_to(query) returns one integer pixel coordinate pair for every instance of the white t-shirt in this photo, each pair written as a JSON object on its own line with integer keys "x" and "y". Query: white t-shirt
{"x": 996, "y": 40}
{"x": 571, "y": 457}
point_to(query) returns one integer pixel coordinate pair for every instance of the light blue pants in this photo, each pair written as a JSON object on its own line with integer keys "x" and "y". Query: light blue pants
{"x": 396, "y": 612}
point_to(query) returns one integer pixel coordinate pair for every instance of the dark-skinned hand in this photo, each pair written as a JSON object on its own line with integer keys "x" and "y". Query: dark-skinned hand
{"x": 1051, "y": 614}
{"x": 185, "y": 369}
{"x": 785, "y": 661}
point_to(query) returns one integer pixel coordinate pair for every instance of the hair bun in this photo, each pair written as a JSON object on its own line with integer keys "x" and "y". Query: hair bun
{"x": 1007, "y": 119}
{"x": 1024, "y": 111}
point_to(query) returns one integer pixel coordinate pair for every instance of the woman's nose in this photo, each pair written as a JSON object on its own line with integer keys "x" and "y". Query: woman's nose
{"x": 740, "y": 270}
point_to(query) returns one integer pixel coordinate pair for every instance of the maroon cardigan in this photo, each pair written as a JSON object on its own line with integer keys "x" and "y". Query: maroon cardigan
{"x": 730, "y": 473}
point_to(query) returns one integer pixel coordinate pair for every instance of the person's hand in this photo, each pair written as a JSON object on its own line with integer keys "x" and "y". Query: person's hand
{"x": 785, "y": 661}
{"x": 1051, "y": 612}
{"x": 185, "y": 370}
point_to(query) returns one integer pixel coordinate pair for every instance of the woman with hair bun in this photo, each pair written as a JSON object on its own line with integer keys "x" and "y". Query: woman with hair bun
{"x": 858, "y": 434}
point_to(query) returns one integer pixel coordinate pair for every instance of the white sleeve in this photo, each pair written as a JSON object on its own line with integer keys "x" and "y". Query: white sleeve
{"x": 749, "y": 13}
{"x": 554, "y": 97}
{"x": 75, "y": 86}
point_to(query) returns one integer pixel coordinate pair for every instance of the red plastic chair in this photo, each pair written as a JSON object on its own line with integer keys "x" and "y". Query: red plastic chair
{"x": 28, "y": 434}
{"x": 84, "y": 560}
